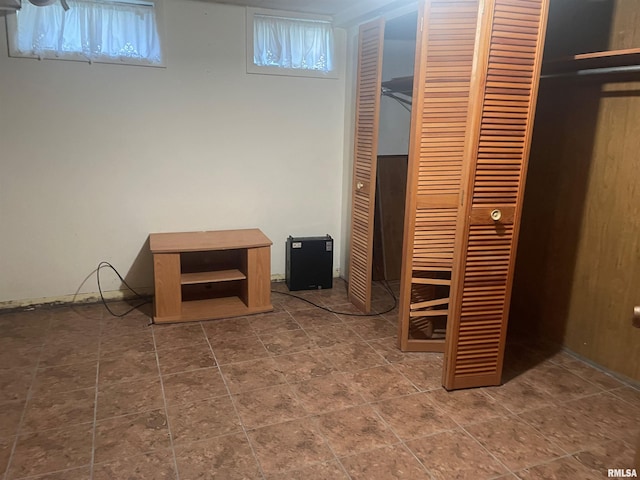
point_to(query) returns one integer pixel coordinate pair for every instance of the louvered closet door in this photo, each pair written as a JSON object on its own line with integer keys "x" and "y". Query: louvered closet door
{"x": 444, "y": 58}
{"x": 503, "y": 98}
{"x": 370, "y": 44}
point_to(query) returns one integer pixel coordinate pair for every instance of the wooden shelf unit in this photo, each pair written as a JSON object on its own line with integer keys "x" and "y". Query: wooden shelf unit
{"x": 209, "y": 275}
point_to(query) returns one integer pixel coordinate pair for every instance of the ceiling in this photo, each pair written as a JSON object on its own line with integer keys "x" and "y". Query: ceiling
{"x": 344, "y": 12}
{"x": 318, "y": 7}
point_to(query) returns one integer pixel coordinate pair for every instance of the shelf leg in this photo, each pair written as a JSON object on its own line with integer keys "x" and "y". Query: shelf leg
{"x": 168, "y": 291}
{"x": 259, "y": 277}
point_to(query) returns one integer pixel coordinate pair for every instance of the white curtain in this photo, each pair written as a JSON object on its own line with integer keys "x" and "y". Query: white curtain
{"x": 89, "y": 29}
{"x": 292, "y": 43}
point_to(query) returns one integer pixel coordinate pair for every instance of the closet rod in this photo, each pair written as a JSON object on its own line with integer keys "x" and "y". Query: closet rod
{"x": 388, "y": 93}
{"x": 594, "y": 71}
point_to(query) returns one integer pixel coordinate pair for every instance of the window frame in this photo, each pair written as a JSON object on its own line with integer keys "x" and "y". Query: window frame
{"x": 252, "y": 68}
{"x": 12, "y": 26}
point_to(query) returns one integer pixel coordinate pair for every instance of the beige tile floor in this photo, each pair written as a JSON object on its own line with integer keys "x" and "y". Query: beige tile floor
{"x": 295, "y": 394}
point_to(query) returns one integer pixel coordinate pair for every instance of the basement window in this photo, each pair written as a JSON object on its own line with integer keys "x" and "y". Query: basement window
{"x": 89, "y": 30}
{"x": 285, "y": 43}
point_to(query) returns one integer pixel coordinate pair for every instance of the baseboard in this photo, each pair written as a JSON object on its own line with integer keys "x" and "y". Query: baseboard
{"x": 94, "y": 297}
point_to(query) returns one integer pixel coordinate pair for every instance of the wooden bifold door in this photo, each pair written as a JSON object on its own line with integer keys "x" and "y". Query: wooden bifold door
{"x": 370, "y": 44}
{"x": 475, "y": 88}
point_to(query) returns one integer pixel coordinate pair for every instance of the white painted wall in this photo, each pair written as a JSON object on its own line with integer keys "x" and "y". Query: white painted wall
{"x": 395, "y": 120}
{"x": 95, "y": 157}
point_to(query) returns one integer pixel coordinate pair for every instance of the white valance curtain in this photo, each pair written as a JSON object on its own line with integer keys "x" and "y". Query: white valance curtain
{"x": 92, "y": 30}
{"x": 292, "y": 43}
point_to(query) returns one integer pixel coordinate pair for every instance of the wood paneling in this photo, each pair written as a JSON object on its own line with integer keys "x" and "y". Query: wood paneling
{"x": 370, "y": 46}
{"x": 578, "y": 272}
{"x": 390, "y": 202}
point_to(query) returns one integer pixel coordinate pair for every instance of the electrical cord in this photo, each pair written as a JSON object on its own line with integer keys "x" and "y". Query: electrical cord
{"x": 146, "y": 299}
{"x": 384, "y": 283}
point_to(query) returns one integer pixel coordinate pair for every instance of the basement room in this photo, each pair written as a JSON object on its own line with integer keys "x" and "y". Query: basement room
{"x": 332, "y": 240}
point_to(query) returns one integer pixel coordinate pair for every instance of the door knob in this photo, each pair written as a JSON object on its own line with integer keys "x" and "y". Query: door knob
{"x": 359, "y": 185}
{"x": 496, "y": 215}
{"x": 636, "y": 317}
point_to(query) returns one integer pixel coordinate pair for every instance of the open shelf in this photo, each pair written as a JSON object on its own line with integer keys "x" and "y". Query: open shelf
{"x": 214, "y": 308}
{"x": 212, "y": 277}
{"x": 593, "y": 60}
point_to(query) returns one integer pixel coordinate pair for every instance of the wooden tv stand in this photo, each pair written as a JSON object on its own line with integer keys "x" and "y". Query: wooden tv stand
{"x": 209, "y": 275}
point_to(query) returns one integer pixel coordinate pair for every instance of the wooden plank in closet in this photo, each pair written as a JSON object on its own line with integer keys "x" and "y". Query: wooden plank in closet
{"x": 392, "y": 186}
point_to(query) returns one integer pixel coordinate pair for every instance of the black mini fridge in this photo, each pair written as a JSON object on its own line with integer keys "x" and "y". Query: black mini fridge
{"x": 309, "y": 263}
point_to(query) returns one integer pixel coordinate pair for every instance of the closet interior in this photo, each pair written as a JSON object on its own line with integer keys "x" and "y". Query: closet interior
{"x": 474, "y": 87}
{"x": 394, "y": 126}
{"x": 577, "y": 277}
{"x": 478, "y": 75}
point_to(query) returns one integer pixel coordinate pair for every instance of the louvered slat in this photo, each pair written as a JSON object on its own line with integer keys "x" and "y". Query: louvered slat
{"x": 439, "y": 122}
{"x": 509, "y": 57}
{"x": 364, "y": 165}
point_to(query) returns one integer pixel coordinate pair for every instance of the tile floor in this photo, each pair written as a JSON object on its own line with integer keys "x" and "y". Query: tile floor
{"x": 295, "y": 394}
